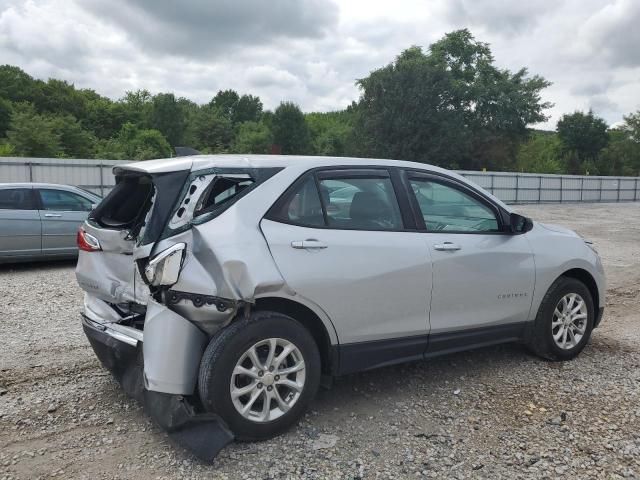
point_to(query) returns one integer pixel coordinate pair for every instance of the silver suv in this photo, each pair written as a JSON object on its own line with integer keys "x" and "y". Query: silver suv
{"x": 221, "y": 289}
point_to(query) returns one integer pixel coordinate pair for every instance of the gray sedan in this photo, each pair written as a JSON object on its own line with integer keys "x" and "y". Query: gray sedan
{"x": 40, "y": 220}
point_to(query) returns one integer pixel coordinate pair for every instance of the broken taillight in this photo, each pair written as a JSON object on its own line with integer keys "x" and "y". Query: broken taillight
{"x": 87, "y": 242}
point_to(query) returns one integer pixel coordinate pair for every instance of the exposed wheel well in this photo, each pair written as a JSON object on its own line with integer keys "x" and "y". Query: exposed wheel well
{"x": 311, "y": 322}
{"x": 586, "y": 278}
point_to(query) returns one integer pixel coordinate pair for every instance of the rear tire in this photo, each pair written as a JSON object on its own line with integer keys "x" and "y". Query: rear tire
{"x": 564, "y": 322}
{"x": 243, "y": 374}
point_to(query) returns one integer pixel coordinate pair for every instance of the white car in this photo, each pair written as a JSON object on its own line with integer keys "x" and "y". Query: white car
{"x": 234, "y": 283}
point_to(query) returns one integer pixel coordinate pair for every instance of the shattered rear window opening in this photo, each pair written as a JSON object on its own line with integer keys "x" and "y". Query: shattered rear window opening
{"x": 221, "y": 190}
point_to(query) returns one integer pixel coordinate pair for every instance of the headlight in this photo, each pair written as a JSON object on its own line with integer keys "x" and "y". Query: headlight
{"x": 164, "y": 268}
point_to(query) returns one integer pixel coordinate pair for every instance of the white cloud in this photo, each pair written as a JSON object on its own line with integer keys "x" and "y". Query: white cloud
{"x": 312, "y": 52}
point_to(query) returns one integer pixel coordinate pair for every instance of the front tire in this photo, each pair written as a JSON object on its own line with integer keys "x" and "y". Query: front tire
{"x": 259, "y": 374}
{"x": 564, "y": 322}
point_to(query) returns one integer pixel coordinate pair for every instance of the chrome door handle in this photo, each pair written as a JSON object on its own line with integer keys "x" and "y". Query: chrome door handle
{"x": 309, "y": 243}
{"x": 52, "y": 215}
{"x": 447, "y": 247}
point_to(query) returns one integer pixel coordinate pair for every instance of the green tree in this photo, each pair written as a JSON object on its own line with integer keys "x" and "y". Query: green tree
{"x": 133, "y": 143}
{"x": 7, "y": 150}
{"x": 138, "y": 105}
{"x": 104, "y": 117}
{"x": 225, "y": 102}
{"x": 5, "y": 116}
{"x": 621, "y": 156}
{"x": 631, "y": 126}
{"x": 247, "y": 109}
{"x": 209, "y": 130}
{"x": 541, "y": 153}
{"x": 16, "y": 85}
{"x": 32, "y": 134}
{"x": 330, "y": 132}
{"x": 290, "y": 130}
{"x": 450, "y": 106}
{"x": 167, "y": 116}
{"x": 60, "y": 97}
{"x": 252, "y": 137}
{"x": 236, "y": 108}
{"x": 583, "y": 137}
{"x": 75, "y": 141}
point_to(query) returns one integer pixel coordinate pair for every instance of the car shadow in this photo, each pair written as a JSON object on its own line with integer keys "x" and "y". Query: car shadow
{"x": 448, "y": 372}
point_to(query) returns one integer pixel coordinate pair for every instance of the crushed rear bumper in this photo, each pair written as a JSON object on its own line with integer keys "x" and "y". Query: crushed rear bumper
{"x": 202, "y": 434}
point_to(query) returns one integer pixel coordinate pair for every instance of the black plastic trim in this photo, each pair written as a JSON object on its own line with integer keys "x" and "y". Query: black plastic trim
{"x": 449, "y": 342}
{"x": 356, "y": 357}
{"x": 598, "y": 318}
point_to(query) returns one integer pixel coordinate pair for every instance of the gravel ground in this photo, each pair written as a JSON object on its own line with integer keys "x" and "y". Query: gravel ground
{"x": 491, "y": 413}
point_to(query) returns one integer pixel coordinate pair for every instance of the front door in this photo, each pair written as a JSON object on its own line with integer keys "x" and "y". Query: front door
{"x": 339, "y": 241}
{"x": 483, "y": 277}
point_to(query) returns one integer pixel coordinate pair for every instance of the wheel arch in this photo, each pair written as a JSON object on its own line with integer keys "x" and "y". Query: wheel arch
{"x": 324, "y": 337}
{"x": 587, "y": 279}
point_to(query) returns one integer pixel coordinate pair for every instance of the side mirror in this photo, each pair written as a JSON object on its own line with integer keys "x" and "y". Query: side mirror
{"x": 519, "y": 224}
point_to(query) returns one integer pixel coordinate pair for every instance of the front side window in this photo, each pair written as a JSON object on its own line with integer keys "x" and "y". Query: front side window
{"x": 447, "y": 209}
{"x": 64, "y": 201}
{"x": 16, "y": 199}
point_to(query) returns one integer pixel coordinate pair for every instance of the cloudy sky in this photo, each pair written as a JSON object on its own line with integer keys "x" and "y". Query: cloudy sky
{"x": 311, "y": 51}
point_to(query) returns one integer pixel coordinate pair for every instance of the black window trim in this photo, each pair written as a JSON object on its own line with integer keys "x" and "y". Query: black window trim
{"x": 499, "y": 212}
{"x": 347, "y": 171}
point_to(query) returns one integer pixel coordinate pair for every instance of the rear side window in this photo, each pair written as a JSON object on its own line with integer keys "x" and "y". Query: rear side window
{"x": 342, "y": 200}
{"x": 16, "y": 199}
{"x": 64, "y": 201}
{"x": 302, "y": 206}
{"x": 220, "y": 191}
{"x": 208, "y": 193}
{"x": 361, "y": 203}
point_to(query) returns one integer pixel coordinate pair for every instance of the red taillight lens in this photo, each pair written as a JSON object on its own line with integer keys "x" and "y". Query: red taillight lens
{"x": 87, "y": 242}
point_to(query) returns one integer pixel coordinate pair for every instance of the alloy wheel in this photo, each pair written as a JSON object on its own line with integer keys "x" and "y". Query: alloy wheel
{"x": 569, "y": 323}
{"x": 267, "y": 380}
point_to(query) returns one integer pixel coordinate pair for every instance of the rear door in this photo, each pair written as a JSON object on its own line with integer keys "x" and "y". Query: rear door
{"x": 20, "y": 227}
{"x": 340, "y": 241}
{"x": 61, "y": 212}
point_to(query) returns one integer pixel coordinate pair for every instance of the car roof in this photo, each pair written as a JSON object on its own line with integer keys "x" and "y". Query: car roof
{"x": 201, "y": 162}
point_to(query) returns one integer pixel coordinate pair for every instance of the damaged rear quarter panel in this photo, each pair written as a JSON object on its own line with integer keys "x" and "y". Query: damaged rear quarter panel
{"x": 118, "y": 281}
{"x": 228, "y": 257}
